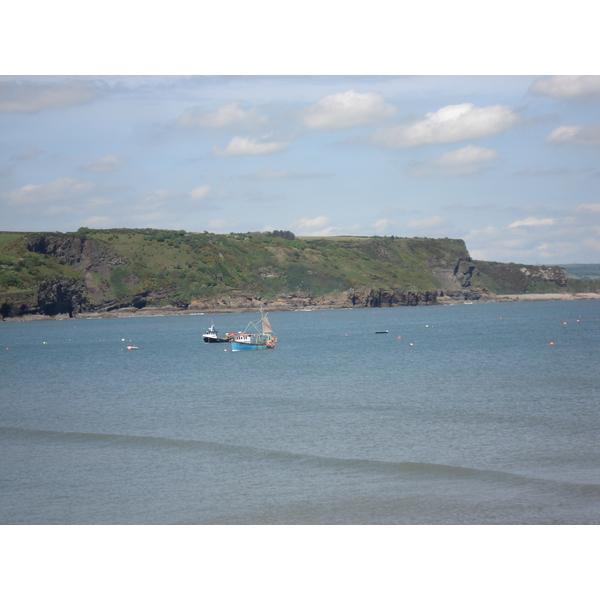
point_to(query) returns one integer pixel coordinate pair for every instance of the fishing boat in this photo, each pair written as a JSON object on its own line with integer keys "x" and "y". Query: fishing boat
{"x": 211, "y": 336}
{"x": 255, "y": 337}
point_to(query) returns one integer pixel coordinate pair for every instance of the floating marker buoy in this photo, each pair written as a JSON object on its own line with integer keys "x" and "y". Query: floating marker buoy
{"x": 551, "y": 343}
{"x": 565, "y": 323}
{"x": 399, "y": 337}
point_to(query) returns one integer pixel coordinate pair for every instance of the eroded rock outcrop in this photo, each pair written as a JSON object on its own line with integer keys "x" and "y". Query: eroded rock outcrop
{"x": 64, "y": 296}
{"x": 83, "y": 254}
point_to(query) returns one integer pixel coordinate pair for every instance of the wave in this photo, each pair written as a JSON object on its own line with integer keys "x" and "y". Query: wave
{"x": 420, "y": 470}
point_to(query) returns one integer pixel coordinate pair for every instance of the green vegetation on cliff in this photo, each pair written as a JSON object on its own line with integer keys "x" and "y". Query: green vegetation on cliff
{"x": 511, "y": 278}
{"x": 111, "y": 268}
{"x": 120, "y": 267}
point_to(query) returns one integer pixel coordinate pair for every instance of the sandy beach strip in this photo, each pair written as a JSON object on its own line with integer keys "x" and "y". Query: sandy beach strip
{"x": 539, "y": 297}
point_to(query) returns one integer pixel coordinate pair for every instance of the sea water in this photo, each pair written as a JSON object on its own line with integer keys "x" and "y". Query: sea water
{"x": 461, "y": 414}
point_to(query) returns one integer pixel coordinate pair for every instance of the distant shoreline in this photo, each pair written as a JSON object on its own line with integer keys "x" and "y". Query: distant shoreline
{"x": 538, "y": 297}
{"x": 169, "y": 311}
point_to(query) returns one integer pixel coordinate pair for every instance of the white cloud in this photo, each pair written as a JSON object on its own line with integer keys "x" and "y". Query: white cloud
{"x": 534, "y": 240}
{"x": 306, "y": 223}
{"x": 427, "y": 223}
{"x": 347, "y": 109}
{"x": 319, "y": 226}
{"x": 453, "y": 123}
{"x": 200, "y": 192}
{"x": 532, "y": 222}
{"x": 26, "y": 96}
{"x": 464, "y": 161}
{"x": 61, "y": 189}
{"x": 567, "y": 87}
{"x": 575, "y": 135}
{"x": 228, "y": 115}
{"x": 382, "y": 224}
{"x": 240, "y": 146}
{"x": 589, "y": 207}
{"x": 105, "y": 164}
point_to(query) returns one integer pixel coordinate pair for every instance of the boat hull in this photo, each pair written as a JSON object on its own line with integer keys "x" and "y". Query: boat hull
{"x": 211, "y": 340}
{"x": 237, "y": 346}
{"x": 255, "y": 341}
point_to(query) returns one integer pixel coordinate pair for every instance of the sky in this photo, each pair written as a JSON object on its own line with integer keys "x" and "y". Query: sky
{"x": 508, "y": 162}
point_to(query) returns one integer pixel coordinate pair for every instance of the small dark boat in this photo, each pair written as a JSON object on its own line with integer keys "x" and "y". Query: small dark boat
{"x": 386, "y": 331}
{"x": 211, "y": 336}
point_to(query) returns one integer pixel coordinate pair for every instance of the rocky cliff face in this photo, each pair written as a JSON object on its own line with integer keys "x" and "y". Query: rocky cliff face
{"x": 63, "y": 296}
{"x": 462, "y": 282}
{"x": 81, "y": 253}
{"x": 71, "y": 296}
{"x": 18, "y": 305}
{"x": 377, "y": 297}
{"x": 557, "y": 275}
{"x": 353, "y": 298}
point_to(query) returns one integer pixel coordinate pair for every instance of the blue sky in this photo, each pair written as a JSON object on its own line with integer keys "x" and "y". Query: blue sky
{"x": 509, "y": 163}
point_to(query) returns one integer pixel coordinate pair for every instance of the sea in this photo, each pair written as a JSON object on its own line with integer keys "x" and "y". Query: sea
{"x": 465, "y": 414}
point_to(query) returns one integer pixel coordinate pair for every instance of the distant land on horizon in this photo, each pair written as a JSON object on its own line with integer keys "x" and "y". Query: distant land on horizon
{"x": 589, "y": 272}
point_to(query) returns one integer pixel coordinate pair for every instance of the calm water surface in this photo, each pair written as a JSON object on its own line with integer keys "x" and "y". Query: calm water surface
{"x": 464, "y": 414}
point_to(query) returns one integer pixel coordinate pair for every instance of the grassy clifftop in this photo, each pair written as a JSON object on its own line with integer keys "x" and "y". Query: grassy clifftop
{"x": 121, "y": 263}
{"x": 111, "y": 268}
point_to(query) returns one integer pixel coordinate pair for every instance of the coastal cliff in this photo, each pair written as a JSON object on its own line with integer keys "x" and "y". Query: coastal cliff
{"x": 110, "y": 271}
